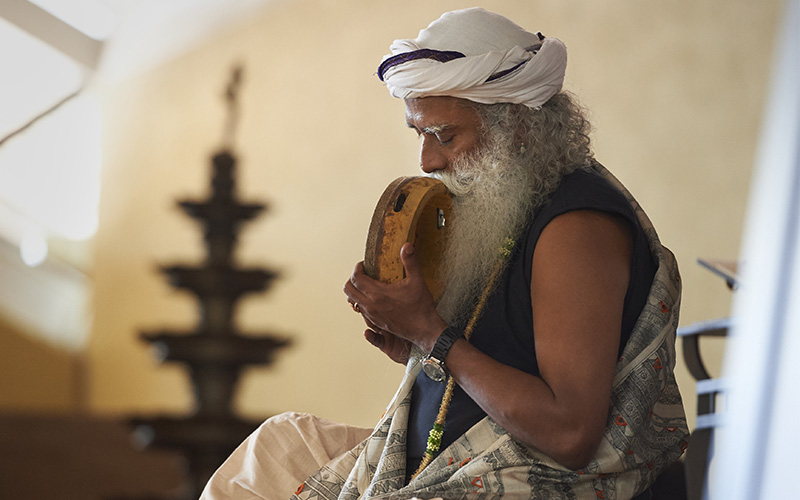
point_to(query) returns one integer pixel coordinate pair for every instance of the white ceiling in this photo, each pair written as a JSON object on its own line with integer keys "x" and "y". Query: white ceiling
{"x": 52, "y": 59}
{"x": 153, "y": 31}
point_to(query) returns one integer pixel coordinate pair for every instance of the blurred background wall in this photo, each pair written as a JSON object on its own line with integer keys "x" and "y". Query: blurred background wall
{"x": 675, "y": 92}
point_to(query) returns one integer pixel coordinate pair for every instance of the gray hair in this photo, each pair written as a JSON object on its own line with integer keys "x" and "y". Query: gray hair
{"x": 553, "y": 140}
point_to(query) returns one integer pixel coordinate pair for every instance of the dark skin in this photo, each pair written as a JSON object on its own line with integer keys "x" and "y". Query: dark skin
{"x": 580, "y": 274}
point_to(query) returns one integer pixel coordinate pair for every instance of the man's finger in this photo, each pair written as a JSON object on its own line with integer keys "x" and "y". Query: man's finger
{"x": 409, "y": 258}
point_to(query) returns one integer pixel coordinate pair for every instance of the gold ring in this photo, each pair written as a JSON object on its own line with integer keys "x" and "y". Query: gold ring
{"x": 355, "y": 307}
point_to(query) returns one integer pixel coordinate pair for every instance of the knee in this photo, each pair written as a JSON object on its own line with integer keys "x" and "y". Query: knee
{"x": 286, "y": 422}
{"x": 288, "y": 416}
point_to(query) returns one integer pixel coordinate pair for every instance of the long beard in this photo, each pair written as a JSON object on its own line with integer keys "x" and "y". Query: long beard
{"x": 494, "y": 197}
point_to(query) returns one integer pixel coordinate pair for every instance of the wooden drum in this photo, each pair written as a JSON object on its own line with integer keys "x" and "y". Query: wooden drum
{"x": 415, "y": 209}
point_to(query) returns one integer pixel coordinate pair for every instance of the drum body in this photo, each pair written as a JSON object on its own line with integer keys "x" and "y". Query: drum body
{"x": 411, "y": 209}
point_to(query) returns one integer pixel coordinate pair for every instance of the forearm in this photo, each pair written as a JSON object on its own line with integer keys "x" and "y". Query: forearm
{"x": 567, "y": 428}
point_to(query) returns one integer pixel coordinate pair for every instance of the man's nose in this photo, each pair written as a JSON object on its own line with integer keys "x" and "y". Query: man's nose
{"x": 430, "y": 158}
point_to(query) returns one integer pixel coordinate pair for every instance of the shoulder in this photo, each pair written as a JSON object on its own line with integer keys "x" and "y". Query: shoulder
{"x": 589, "y": 235}
{"x": 584, "y": 190}
{"x": 586, "y": 197}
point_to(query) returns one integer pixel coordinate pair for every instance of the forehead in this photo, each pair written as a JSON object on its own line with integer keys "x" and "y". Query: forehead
{"x": 441, "y": 111}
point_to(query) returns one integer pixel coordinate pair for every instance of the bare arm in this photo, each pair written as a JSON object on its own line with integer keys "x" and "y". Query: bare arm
{"x": 579, "y": 277}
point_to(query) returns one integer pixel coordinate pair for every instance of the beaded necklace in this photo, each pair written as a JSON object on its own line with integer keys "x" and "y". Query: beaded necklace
{"x": 436, "y": 433}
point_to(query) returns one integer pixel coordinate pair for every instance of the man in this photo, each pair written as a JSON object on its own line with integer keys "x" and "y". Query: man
{"x": 548, "y": 360}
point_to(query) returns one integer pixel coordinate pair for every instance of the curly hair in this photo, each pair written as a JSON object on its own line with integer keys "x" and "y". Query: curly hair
{"x": 553, "y": 140}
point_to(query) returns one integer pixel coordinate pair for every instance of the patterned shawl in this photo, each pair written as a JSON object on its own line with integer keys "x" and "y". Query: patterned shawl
{"x": 645, "y": 430}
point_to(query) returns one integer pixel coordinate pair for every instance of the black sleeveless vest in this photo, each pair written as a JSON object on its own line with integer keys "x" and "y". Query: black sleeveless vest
{"x": 505, "y": 329}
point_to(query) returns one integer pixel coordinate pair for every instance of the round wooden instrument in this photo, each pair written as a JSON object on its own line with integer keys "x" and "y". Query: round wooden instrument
{"x": 415, "y": 209}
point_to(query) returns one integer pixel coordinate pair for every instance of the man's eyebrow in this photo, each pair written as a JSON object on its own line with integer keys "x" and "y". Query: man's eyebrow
{"x": 430, "y": 129}
{"x": 435, "y": 129}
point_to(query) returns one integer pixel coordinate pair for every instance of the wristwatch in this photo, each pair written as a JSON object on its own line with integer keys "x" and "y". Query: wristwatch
{"x": 433, "y": 363}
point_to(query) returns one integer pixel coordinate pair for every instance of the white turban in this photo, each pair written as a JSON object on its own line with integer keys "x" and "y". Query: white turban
{"x": 477, "y": 55}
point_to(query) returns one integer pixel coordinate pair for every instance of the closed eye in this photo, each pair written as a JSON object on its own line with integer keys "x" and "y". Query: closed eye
{"x": 443, "y": 139}
{"x": 441, "y": 132}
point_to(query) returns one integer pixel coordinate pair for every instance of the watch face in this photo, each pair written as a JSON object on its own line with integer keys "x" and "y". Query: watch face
{"x": 433, "y": 369}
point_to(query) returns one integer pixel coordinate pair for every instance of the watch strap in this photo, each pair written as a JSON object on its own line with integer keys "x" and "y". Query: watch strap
{"x": 445, "y": 341}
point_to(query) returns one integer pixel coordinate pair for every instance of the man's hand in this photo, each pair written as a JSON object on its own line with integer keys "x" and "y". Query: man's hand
{"x": 397, "y": 312}
{"x": 396, "y": 348}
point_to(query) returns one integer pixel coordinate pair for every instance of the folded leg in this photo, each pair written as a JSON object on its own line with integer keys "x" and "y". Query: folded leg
{"x": 278, "y": 456}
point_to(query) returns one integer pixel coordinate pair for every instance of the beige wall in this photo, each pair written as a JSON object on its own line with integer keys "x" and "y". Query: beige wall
{"x": 675, "y": 88}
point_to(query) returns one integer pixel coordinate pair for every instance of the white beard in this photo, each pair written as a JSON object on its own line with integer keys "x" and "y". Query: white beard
{"x": 494, "y": 196}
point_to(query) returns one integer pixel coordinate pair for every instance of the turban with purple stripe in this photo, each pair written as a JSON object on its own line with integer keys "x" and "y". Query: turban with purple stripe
{"x": 477, "y": 55}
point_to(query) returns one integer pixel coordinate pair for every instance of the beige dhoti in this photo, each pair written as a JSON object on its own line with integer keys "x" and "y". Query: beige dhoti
{"x": 278, "y": 456}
